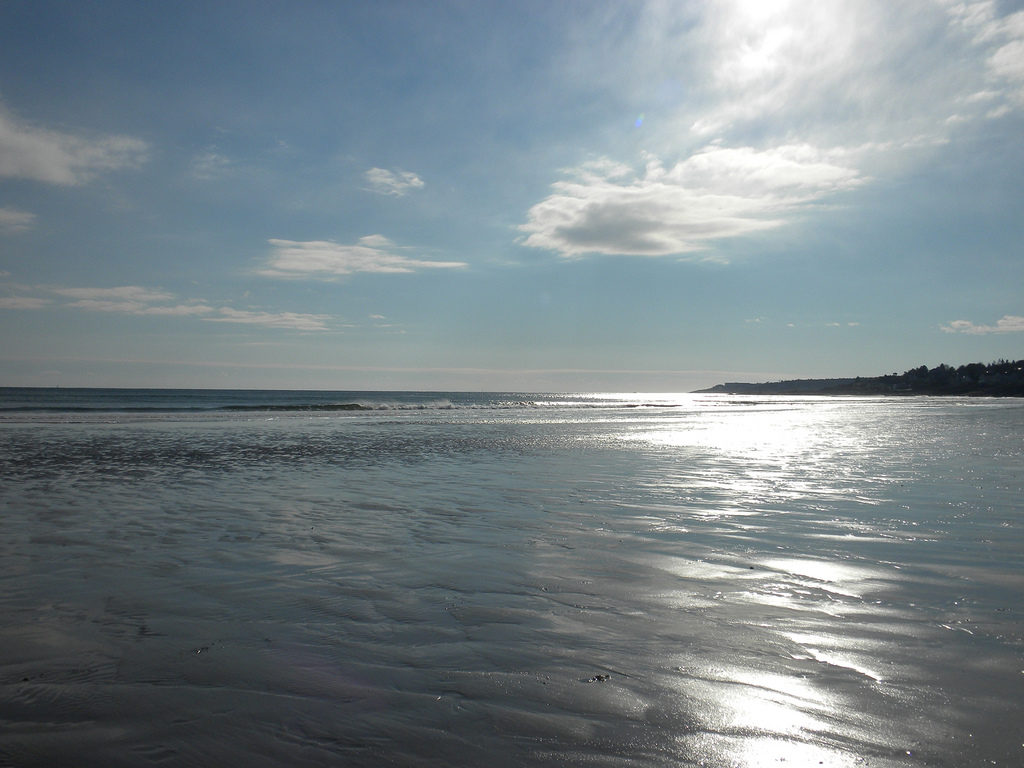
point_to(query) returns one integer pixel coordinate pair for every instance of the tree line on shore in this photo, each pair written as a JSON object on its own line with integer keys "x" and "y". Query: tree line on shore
{"x": 1003, "y": 378}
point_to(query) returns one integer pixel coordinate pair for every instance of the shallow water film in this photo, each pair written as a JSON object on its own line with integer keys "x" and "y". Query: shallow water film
{"x": 512, "y": 580}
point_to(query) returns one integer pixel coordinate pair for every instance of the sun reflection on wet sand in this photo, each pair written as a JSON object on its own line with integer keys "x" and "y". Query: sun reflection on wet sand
{"x": 837, "y": 662}
{"x": 754, "y": 718}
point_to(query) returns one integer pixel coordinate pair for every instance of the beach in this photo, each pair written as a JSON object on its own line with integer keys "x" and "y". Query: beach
{"x": 415, "y": 579}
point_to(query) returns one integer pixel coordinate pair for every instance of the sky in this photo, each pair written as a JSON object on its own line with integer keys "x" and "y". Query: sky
{"x": 482, "y": 195}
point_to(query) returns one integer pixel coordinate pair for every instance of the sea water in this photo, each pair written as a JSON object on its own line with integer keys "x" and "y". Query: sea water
{"x": 194, "y": 578}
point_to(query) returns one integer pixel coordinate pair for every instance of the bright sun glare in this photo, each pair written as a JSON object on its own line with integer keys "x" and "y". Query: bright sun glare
{"x": 757, "y": 11}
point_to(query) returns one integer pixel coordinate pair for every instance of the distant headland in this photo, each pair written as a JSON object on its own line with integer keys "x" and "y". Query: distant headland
{"x": 1000, "y": 379}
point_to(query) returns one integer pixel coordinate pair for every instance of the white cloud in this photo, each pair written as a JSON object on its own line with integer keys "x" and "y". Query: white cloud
{"x": 137, "y": 308}
{"x": 373, "y": 253}
{"x": 293, "y": 320}
{"x": 126, "y": 299}
{"x": 716, "y": 193}
{"x": 210, "y": 164}
{"x": 128, "y": 293}
{"x": 395, "y": 183}
{"x": 148, "y": 302}
{"x": 1005, "y": 324}
{"x": 13, "y": 221}
{"x": 29, "y": 151}
{"x": 131, "y": 300}
{"x": 1001, "y": 38}
{"x": 22, "y": 302}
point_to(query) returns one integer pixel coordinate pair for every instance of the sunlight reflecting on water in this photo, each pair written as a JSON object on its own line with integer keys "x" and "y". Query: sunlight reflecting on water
{"x": 841, "y": 577}
{"x": 776, "y": 430}
{"x": 773, "y": 704}
{"x": 753, "y": 753}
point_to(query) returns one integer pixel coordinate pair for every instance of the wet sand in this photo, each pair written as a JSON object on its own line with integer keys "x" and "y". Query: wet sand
{"x": 461, "y": 592}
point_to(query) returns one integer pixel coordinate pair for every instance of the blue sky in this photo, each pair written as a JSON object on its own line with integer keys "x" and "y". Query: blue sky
{"x": 493, "y": 195}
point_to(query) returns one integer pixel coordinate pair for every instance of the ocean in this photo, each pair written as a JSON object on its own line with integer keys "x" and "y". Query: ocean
{"x": 208, "y": 578}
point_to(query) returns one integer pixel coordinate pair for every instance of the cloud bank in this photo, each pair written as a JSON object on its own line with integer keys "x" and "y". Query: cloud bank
{"x": 325, "y": 258}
